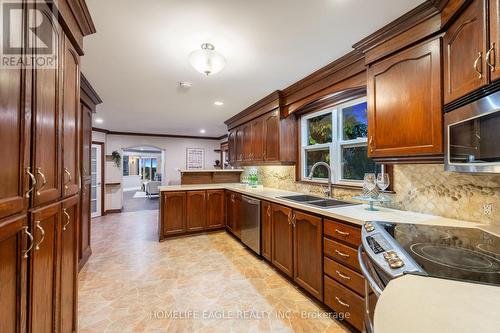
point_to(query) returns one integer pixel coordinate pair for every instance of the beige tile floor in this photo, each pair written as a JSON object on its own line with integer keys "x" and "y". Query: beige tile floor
{"x": 203, "y": 283}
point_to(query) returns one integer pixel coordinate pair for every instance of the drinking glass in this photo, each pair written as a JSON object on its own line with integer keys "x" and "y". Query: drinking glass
{"x": 383, "y": 181}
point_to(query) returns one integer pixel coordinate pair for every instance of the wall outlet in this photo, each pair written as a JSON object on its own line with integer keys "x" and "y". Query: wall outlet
{"x": 488, "y": 209}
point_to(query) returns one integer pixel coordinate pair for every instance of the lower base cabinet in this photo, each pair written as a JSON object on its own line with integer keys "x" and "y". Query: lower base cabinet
{"x": 266, "y": 232}
{"x": 233, "y": 204}
{"x": 343, "y": 300}
{"x": 13, "y": 264}
{"x": 282, "y": 238}
{"x": 185, "y": 212}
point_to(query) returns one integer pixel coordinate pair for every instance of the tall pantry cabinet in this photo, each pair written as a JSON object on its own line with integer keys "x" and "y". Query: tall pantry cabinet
{"x": 40, "y": 146}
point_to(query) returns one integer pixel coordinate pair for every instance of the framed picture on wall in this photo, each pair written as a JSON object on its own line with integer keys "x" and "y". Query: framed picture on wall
{"x": 195, "y": 158}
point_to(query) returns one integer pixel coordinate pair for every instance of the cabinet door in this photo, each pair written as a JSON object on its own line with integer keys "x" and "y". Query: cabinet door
{"x": 84, "y": 226}
{"x": 14, "y": 137}
{"x": 307, "y": 249}
{"x": 493, "y": 57}
{"x": 257, "y": 139}
{"x": 464, "y": 52}
{"x": 44, "y": 285}
{"x": 236, "y": 215}
{"x": 196, "y": 210}
{"x": 272, "y": 136}
{"x": 282, "y": 238}
{"x": 266, "y": 247}
{"x": 247, "y": 142}
{"x": 239, "y": 144}
{"x": 404, "y": 103}
{"x": 229, "y": 210}
{"x": 13, "y": 274}
{"x": 231, "y": 139}
{"x": 46, "y": 115}
{"x": 69, "y": 264}
{"x": 215, "y": 209}
{"x": 174, "y": 213}
{"x": 86, "y": 142}
{"x": 71, "y": 106}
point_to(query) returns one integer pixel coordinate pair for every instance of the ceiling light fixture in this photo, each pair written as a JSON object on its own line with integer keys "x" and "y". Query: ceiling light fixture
{"x": 219, "y": 103}
{"x": 202, "y": 131}
{"x": 207, "y": 60}
{"x": 99, "y": 120}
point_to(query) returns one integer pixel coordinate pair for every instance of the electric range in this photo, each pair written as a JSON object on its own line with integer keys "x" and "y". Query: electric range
{"x": 465, "y": 254}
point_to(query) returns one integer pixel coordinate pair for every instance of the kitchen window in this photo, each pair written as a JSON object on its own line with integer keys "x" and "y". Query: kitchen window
{"x": 337, "y": 136}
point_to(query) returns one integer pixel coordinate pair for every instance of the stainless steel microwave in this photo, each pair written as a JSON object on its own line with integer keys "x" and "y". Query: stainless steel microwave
{"x": 472, "y": 136}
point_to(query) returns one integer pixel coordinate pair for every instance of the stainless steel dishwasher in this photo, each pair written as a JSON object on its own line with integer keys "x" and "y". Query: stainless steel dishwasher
{"x": 250, "y": 223}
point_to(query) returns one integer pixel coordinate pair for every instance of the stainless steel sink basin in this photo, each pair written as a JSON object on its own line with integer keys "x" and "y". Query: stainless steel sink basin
{"x": 317, "y": 201}
{"x": 302, "y": 198}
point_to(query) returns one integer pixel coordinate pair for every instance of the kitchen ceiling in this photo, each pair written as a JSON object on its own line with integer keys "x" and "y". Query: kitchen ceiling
{"x": 140, "y": 54}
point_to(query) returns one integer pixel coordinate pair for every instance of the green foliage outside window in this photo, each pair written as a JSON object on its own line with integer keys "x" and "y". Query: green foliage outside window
{"x": 320, "y": 129}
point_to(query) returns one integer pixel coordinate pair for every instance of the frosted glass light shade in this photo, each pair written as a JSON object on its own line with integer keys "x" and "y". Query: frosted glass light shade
{"x": 207, "y": 60}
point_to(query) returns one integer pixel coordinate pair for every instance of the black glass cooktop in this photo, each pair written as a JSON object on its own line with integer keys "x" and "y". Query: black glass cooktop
{"x": 454, "y": 253}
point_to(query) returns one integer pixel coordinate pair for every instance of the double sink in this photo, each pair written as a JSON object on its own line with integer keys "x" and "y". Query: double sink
{"x": 319, "y": 202}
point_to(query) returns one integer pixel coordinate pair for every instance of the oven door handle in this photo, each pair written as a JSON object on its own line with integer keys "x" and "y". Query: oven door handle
{"x": 366, "y": 273}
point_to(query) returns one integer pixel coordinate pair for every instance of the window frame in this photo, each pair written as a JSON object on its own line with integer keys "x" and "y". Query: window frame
{"x": 335, "y": 147}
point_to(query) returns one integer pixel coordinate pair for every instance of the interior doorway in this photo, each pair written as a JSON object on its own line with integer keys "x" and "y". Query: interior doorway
{"x": 142, "y": 176}
{"x": 96, "y": 193}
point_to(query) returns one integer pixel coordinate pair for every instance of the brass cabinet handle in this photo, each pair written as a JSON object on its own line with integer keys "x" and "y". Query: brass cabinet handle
{"x": 372, "y": 148}
{"x": 33, "y": 183}
{"x": 488, "y": 57}
{"x": 39, "y": 227}
{"x": 345, "y": 255}
{"x": 31, "y": 242}
{"x": 44, "y": 181}
{"x": 345, "y": 234}
{"x": 476, "y": 62}
{"x": 294, "y": 219}
{"x": 290, "y": 218}
{"x": 342, "y": 302}
{"x": 68, "y": 219}
{"x": 66, "y": 171}
{"x": 345, "y": 277}
{"x": 269, "y": 210}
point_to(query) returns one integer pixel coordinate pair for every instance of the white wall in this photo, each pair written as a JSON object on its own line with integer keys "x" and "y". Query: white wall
{"x": 174, "y": 159}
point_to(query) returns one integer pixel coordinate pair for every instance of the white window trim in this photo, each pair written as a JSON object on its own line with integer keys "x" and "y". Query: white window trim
{"x": 335, "y": 146}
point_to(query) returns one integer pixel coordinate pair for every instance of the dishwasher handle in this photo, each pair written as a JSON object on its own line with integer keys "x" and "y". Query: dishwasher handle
{"x": 251, "y": 201}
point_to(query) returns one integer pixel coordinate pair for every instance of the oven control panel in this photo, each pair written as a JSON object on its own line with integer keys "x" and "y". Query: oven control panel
{"x": 377, "y": 243}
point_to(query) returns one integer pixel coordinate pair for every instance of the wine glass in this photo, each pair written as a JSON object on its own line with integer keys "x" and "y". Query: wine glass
{"x": 383, "y": 181}
{"x": 369, "y": 183}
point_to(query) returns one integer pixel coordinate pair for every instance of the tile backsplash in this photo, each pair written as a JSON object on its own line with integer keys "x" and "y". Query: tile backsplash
{"x": 419, "y": 188}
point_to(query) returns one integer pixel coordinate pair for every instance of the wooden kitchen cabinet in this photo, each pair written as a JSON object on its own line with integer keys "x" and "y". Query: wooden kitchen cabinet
{"x": 15, "y": 138}
{"x": 229, "y": 211}
{"x": 272, "y": 136}
{"x": 405, "y": 103}
{"x": 173, "y": 214}
{"x": 13, "y": 285}
{"x": 215, "y": 209}
{"x": 195, "y": 213}
{"x": 46, "y": 108}
{"x": 493, "y": 61}
{"x": 233, "y": 203}
{"x": 282, "y": 238}
{"x": 247, "y": 142}
{"x": 231, "y": 139}
{"x": 69, "y": 264}
{"x": 465, "y": 48}
{"x": 343, "y": 300}
{"x": 307, "y": 253}
{"x": 70, "y": 120}
{"x": 257, "y": 139}
{"x": 266, "y": 230}
{"x": 239, "y": 145}
{"x": 42, "y": 301}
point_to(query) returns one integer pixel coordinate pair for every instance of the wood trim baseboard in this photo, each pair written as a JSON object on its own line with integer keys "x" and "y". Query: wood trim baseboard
{"x": 113, "y": 211}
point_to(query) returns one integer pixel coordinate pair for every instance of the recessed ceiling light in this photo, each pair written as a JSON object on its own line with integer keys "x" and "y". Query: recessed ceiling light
{"x": 202, "y": 131}
{"x": 219, "y": 103}
{"x": 99, "y": 120}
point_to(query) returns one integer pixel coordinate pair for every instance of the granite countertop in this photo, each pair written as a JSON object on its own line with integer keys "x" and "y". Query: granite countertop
{"x": 212, "y": 170}
{"x": 356, "y": 214}
{"x": 416, "y": 304}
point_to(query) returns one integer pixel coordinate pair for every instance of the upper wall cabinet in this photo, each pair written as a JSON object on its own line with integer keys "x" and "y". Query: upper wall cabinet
{"x": 405, "y": 105}
{"x": 466, "y": 51}
{"x": 493, "y": 60}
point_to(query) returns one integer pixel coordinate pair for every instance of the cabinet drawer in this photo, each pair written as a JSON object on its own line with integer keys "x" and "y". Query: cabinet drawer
{"x": 343, "y": 232}
{"x": 342, "y": 300}
{"x": 344, "y": 275}
{"x": 341, "y": 253}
